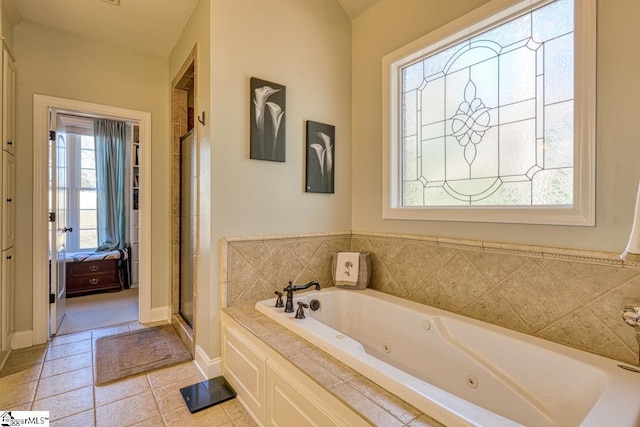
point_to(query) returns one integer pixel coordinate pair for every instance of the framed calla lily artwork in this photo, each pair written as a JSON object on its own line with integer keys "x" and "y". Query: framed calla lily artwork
{"x": 321, "y": 149}
{"x": 267, "y": 106}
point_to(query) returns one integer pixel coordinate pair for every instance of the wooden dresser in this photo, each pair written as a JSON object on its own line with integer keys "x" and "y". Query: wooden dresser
{"x": 92, "y": 276}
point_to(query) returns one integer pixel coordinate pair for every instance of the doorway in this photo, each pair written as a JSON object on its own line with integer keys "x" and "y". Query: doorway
{"x": 43, "y": 105}
{"x": 184, "y": 186}
{"x": 94, "y": 217}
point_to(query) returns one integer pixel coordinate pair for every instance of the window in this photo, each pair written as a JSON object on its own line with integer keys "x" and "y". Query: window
{"x": 83, "y": 213}
{"x": 492, "y": 118}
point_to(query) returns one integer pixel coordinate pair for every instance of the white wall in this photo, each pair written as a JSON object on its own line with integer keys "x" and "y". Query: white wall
{"x": 392, "y": 24}
{"x": 59, "y": 64}
{"x": 306, "y": 46}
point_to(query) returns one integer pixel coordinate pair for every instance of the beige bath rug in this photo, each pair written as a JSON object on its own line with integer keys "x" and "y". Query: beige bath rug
{"x": 133, "y": 353}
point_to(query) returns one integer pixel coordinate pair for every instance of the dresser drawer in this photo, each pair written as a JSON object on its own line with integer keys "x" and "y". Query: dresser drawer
{"x": 92, "y": 276}
{"x": 93, "y": 267}
{"x": 92, "y": 281}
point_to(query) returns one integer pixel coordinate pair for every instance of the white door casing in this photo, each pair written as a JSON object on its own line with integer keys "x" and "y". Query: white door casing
{"x": 42, "y": 104}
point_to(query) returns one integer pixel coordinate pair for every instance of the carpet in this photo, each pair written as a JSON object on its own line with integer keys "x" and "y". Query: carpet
{"x": 99, "y": 310}
{"x": 136, "y": 352}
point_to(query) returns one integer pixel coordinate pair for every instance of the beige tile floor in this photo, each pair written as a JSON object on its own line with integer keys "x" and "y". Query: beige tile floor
{"x": 58, "y": 377}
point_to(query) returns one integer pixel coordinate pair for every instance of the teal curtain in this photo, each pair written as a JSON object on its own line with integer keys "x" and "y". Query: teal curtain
{"x": 110, "y": 142}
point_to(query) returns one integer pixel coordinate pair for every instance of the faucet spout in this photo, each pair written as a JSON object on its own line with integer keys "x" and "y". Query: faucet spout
{"x": 291, "y": 288}
{"x": 307, "y": 286}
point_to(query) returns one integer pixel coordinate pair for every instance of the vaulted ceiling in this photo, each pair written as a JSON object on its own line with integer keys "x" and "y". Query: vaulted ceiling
{"x": 355, "y": 8}
{"x": 151, "y": 26}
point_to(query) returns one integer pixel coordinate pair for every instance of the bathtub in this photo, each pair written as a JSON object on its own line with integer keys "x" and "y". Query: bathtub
{"x": 461, "y": 371}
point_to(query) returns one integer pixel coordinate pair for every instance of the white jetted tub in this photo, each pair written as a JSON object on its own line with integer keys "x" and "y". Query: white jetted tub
{"x": 461, "y": 371}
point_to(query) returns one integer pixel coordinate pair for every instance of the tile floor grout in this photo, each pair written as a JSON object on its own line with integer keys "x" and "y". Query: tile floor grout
{"x": 35, "y": 392}
{"x": 125, "y": 403}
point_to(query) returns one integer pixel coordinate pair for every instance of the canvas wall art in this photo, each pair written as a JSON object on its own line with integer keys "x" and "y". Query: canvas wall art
{"x": 268, "y": 130}
{"x": 320, "y": 157}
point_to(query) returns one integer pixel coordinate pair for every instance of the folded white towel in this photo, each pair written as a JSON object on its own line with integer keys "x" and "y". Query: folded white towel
{"x": 347, "y": 264}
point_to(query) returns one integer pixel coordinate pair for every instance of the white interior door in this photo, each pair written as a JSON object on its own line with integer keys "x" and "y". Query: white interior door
{"x": 8, "y": 298}
{"x": 9, "y": 103}
{"x": 58, "y": 198}
{"x": 8, "y": 202}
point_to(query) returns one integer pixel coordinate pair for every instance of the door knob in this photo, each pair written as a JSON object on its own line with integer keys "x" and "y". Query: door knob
{"x": 67, "y": 229}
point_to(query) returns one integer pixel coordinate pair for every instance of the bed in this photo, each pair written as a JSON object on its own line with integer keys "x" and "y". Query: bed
{"x": 92, "y": 272}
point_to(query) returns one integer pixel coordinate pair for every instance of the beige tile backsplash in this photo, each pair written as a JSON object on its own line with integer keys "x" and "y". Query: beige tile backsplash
{"x": 254, "y": 269}
{"x": 572, "y": 297}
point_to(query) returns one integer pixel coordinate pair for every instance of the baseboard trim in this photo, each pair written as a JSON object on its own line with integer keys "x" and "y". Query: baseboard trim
{"x": 210, "y": 368}
{"x": 22, "y": 339}
{"x": 160, "y": 314}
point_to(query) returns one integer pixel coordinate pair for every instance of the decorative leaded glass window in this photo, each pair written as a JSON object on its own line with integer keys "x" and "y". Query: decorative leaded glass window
{"x": 488, "y": 120}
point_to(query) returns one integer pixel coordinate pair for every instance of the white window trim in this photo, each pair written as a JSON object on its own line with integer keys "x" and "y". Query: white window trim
{"x": 583, "y": 211}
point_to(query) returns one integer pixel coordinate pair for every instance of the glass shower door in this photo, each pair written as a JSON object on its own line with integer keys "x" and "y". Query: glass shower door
{"x": 188, "y": 224}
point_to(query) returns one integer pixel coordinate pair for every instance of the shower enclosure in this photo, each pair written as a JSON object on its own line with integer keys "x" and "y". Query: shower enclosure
{"x": 188, "y": 216}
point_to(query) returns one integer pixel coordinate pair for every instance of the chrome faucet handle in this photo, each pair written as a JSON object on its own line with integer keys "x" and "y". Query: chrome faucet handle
{"x": 279, "y": 303}
{"x": 300, "y": 312}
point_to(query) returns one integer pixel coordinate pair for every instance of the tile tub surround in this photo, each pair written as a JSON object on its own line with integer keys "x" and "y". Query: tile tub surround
{"x": 372, "y": 402}
{"x": 253, "y": 269}
{"x": 572, "y": 297}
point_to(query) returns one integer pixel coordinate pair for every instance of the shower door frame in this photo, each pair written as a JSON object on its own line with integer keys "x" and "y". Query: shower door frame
{"x": 186, "y": 75}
